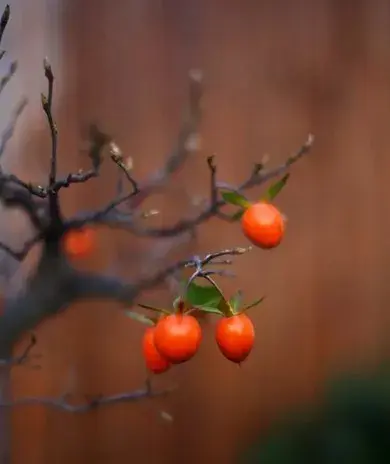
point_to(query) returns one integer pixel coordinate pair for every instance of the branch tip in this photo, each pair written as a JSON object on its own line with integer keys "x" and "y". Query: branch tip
{"x": 310, "y": 140}
{"x": 196, "y": 75}
{"x": 193, "y": 142}
{"x": 48, "y": 71}
{"x": 4, "y": 20}
{"x": 115, "y": 151}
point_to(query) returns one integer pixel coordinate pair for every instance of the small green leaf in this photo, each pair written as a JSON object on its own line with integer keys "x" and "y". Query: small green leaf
{"x": 153, "y": 308}
{"x": 237, "y": 216}
{"x": 209, "y": 310}
{"x": 276, "y": 188}
{"x": 139, "y": 318}
{"x": 252, "y": 305}
{"x": 214, "y": 298}
{"x": 225, "y": 307}
{"x": 235, "y": 300}
{"x": 235, "y": 198}
{"x": 203, "y": 295}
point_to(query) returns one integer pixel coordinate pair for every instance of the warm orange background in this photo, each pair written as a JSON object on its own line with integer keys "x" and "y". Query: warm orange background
{"x": 275, "y": 71}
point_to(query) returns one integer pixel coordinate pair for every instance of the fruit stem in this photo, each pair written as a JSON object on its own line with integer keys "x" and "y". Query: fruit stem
{"x": 181, "y": 306}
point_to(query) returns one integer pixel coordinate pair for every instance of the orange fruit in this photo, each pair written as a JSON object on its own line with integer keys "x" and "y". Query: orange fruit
{"x": 263, "y": 225}
{"x": 78, "y": 243}
{"x": 235, "y": 336}
{"x": 178, "y": 337}
{"x": 153, "y": 359}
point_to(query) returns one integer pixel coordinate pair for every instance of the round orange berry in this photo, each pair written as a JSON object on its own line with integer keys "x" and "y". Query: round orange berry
{"x": 263, "y": 224}
{"x": 178, "y": 337}
{"x": 78, "y": 243}
{"x": 153, "y": 359}
{"x": 235, "y": 336}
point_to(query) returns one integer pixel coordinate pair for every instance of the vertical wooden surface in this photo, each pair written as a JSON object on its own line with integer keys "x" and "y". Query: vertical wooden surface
{"x": 275, "y": 71}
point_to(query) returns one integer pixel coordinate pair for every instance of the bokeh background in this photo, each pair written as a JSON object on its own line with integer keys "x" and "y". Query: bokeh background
{"x": 275, "y": 70}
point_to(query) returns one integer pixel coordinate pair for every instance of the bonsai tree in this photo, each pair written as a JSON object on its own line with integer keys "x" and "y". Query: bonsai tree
{"x": 172, "y": 335}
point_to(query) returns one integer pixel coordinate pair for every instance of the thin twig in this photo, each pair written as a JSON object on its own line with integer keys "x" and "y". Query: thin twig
{"x": 47, "y": 104}
{"x": 213, "y": 187}
{"x": 9, "y": 131}
{"x": 117, "y": 158}
{"x": 110, "y": 216}
{"x": 23, "y": 252}
{"x": 7, "y": 77}
{"x": 4, "y": 21}
{"x": 23, "y": 357}
{"x": 187, "y": 144}
{"x": 64, "y": 404}
{"x": 12, "y": 196}
{"x": 98, "y": 141}
{"x": 195, "y": 262}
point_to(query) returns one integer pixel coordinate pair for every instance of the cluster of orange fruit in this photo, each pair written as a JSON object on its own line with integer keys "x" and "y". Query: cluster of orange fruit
{"x": 176, "y": 338}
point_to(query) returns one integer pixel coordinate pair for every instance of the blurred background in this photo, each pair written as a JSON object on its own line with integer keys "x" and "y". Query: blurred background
{"x": 275, "y": 70}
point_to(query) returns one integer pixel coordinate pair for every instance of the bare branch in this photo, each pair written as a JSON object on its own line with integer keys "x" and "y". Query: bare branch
{"x": 3, "y": 24}
{"x": 98, "y": 141}
{"x": 35, "y": 190}
{"x": 117, "y": 157}
{"x": 55, "y": 285}
{"x": 47, "y": 103}
{"x": 14, "y": 194}
{"x": 4, "y": 21}
{"x": 213, "y": 208}
{"x": 7, "y": 77}
{"x": 21, "y": 254}
{"x": 89, "y": 285}
{"x": 213, "y": 186}
{"x": 23, "y": 357}
{"x": 187, "y": 144}
{"x": 262, "y": 176}
{"x": 64, "y": 404}
{"x": 9, "y": 131}
{"x": 212, "y": 257}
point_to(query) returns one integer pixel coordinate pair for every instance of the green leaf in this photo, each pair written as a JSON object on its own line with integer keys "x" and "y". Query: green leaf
{"x": 203, "y": 295}
{"x": 139, "y": 318}
{"x": 252, "y": 305}
{"x": 235, "y": 300}
{"x": 276, "y": 188}
{"x": 235, "y": 198}
{"x": 225, "y": 307}
{"x": 153, "y": 308}
{"x": 209, "y": 310}
{"x": 237, "y": 216}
